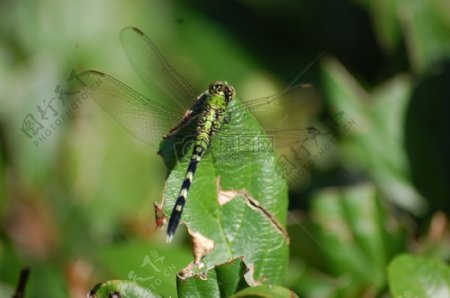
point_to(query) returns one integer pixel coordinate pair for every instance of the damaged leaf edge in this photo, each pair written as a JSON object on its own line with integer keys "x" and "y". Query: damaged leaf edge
{"x": 225, "y": 196}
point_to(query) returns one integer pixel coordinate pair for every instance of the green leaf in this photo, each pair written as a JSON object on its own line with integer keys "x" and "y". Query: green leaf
{"x": 249, "y": 220}
{"x": 386, "y": 22}
{"x": 373, "y": 139}
{"x": 120, "y": 288}
{"x": 350, "y": 232}
{"x": 425, "y": 123}
{"x": 350, "y": 239}
{"x": 266, "y": 291}
{"x": 222, "y": 281}
{"x": 425, "y": 26}
{"x": 416, "y": 276}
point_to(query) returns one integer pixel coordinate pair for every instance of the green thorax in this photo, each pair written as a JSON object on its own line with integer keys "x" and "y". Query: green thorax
{"x": 212, "y": 116}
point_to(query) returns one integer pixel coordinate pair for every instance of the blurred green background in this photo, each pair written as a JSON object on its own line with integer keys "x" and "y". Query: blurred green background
{"x": 76, "y": 201}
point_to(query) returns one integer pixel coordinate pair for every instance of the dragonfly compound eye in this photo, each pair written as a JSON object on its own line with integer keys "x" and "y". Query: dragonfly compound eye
{"x": 216, "y": 87}
{"x": 230, "y": 93}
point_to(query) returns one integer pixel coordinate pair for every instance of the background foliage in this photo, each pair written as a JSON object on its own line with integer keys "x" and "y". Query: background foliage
{"x": 76, "y": 203}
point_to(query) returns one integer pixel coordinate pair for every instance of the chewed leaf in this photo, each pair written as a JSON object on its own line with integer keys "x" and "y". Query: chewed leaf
{"x": 221, "y": 281}
{"x": 121, "y": 288}
{"x": 228, "y": 195}
{"x": 251, "y": 223}
{"x": 265, "y": 291}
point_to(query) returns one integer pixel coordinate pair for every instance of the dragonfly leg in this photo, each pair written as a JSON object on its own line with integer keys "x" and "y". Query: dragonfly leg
{"x": 190, "y": 114}
{"x": 227, "y": 118}
{"x": 183, "y": 123}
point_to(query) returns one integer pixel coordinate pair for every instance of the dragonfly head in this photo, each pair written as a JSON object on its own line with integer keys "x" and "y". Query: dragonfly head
{"x": 222, "y": 88}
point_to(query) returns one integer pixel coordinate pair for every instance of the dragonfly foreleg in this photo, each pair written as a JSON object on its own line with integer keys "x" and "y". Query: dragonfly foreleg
{"x": 190, "y": 115}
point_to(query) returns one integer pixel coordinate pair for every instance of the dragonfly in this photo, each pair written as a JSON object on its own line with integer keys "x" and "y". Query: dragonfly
{"x": 172, "y": 104}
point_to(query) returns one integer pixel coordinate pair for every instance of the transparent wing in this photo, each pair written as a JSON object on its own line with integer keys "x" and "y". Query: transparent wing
{"x": 144, "y": 117}
{"x": 282, "y": 110}
{"x": 301, "y": 137}
{"x": 286, "y": 120}
{"x": 281, "y": 141}
{"x": 158, "y": 76}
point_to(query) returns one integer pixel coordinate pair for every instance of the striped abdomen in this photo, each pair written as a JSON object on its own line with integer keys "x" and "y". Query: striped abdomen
{"x": 209, "y": 123}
